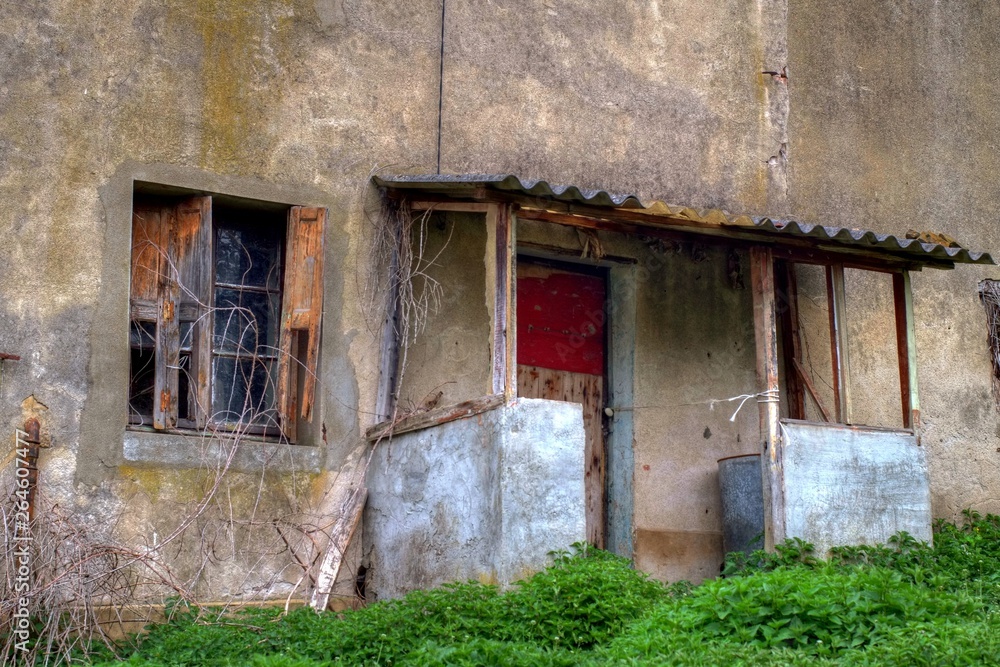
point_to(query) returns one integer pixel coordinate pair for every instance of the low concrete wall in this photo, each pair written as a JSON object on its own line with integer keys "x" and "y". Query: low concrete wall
{"x": 852, "y": 485}
{"x": 485, "y": 498}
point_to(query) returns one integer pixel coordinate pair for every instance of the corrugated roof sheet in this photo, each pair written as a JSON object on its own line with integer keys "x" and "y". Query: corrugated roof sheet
{"x": 840, "y": 236}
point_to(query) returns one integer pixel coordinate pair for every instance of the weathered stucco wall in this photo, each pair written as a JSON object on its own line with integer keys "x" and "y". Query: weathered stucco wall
{"x": 447, "y": 358}
{"x": 663, "y": 98}
{"x": 893, "y": 126}
{"x": 846, "y": 485}
{"x": 484, "y": 498}
{"x": 294, "y": 102}
{"x": 299, "y": 101}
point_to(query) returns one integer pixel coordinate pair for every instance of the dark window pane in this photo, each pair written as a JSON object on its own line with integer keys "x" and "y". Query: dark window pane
{"x": 143, "y": 335}
{"x": 246, "y": 323}
{"x": 140, "y": 388}
{"x": 186, "y": 330}
{"x": 247, "y": 256}
{"x": 184, "y": 397}
{"x": 243, "y": 391}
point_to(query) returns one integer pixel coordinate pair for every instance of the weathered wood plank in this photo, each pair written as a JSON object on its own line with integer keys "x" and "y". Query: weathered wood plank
{"x": 906, "y": 346}
{"x": 836, "y": 297}
{"x": 787, "y": 304}
{"x": 503, "y": 300}
{"x": 301, "y": 309}
{"x": 623, "y": 286}
{"x": 340, "y": 538}
{"x": 150, "y": 229}
{"x": 196, "y": 272}
{"x": 765, "y": 320}
{"x": 421, "y": 420}
{"x": 165, "y": 374}
{"x": 804, "y": 375}
{"x": 451, "y": 206}
{"x": 510, "y": 334}
{"x": 794, "y": 249}
{"x": 385, "y": 401}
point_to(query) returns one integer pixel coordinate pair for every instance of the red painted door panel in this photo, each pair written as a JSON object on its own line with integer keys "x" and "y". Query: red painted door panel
{"x": 560, "y": 320}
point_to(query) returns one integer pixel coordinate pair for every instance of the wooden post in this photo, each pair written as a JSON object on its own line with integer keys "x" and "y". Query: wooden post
{"x": 836, "y": 297}
{"x": 906, "y": 348}
{"x": 385, "y": 401}
{"x": 500, "y": 219}
{"x": 765, "y": 323}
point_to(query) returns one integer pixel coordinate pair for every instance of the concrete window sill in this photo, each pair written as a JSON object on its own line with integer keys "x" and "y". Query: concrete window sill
{"x": 196, "y": 451}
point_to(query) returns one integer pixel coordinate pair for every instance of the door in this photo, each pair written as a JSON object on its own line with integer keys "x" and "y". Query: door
{"x": 561, "y": 346}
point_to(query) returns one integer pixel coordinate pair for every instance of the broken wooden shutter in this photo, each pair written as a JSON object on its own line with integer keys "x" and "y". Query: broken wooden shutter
{"x": 301, "y": 313}
{"x": 171, "y": 282}
{"x": 193, "y": 259}
{"x": 149, "y": 240}
{"x": 167, "y": 331}
{"x": 150, "y": 233}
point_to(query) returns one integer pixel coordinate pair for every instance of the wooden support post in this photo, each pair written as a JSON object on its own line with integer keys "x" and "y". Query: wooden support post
{"x": 765, "y": 332}
{"x": 906, "y": 348}
{"x": 836, "y": 297}
{"x": 501, "y": 222}
{"x": 385, "y": 401}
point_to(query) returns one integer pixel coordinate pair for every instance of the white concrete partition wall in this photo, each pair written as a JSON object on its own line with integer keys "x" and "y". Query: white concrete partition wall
{"x": 853, "y": 485}
{"x": 486, "y": 498}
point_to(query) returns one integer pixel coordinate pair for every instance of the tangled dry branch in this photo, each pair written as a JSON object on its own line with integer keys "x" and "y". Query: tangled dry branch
{"x": 989, "y": 293}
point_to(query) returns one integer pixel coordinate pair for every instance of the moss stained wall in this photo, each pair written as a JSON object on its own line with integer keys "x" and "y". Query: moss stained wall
{"x": 295, "y": 102}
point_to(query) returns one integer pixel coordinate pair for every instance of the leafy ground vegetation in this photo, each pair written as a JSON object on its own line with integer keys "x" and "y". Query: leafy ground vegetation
{"x": 905, "y": 603}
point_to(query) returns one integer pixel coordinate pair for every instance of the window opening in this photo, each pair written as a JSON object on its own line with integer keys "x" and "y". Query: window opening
{"x": 843, "y": 357}
{"x": 220, "y": 336}
{"x": 247, "y": 310}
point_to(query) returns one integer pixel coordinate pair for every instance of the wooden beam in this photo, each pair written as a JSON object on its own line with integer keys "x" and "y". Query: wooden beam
{"x": 765, "y": 333}
{"x": 435, "y": 417}
{"x": 510, "y": 252}
{"x": 340, "y": 538}
{"x": 906, "y": 349}
{"x": 788, "y": 319}
{"x": 452, "y": 206}
{"x": 837, "y": 301}
{"x": 812, "y": 390}
{"x": 385, "y": 401}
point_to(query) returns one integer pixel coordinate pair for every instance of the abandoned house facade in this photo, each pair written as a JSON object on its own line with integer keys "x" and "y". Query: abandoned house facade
{"x": 297, "y": 291}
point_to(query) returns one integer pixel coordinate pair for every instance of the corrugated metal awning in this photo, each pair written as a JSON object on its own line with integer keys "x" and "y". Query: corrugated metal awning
{"x": 477, "y": 186}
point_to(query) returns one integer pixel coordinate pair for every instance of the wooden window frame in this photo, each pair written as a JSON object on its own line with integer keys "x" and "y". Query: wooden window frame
{"x": 798, "y": 384}
{"x": 173, "y": 281}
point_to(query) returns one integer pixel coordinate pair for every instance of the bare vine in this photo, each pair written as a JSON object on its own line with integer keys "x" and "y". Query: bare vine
{"x": 399, "y": 280}
{"x": 989, "y": 294}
